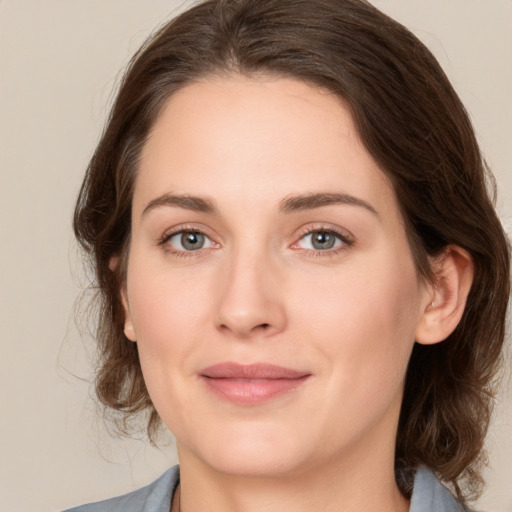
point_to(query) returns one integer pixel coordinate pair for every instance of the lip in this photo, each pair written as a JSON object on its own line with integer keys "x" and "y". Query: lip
{"x": 251, "y": 384}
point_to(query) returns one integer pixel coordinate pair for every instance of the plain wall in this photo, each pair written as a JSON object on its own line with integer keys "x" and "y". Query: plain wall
{"x": 59, "y": 60}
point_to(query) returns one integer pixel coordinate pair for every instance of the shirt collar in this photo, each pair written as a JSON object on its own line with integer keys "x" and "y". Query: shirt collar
{"x": 430, "y": 495}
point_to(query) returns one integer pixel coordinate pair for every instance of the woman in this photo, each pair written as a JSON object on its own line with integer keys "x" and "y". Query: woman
{"x": 301, "y": 272}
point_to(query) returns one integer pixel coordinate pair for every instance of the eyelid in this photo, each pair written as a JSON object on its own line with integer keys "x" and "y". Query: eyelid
{"x": 178, "y": 228}
{"x": 347, "y": 239}
{"x": 184, "y": 228}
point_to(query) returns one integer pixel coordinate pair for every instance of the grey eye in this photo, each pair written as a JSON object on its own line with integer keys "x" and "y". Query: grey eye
{"x": 189, "y": 241}
{"x": 192, "y": 241}
{"x": 321, "y": 240}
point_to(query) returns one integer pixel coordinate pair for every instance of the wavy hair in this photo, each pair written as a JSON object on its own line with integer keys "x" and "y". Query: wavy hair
{"x": 410, "y": 120}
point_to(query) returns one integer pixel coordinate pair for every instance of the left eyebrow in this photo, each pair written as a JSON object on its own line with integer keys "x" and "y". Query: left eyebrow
{"x": 317, "y": 200}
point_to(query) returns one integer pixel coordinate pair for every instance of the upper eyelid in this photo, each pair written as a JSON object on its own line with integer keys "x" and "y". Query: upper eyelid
{"x": 339, "y": 235}
{"x": 179, "y": 228}
{"x": 307, "y": 229}
{"x": 312, "y": 228}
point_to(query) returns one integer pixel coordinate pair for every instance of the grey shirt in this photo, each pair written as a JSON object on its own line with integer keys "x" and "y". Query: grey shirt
{"x": 429, "y": 495}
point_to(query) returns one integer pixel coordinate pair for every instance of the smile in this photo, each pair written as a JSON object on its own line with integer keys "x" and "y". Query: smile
{"x": 251, "y": 384}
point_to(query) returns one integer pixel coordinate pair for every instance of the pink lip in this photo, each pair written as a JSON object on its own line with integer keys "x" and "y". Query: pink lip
{"x": 251, "y": 384}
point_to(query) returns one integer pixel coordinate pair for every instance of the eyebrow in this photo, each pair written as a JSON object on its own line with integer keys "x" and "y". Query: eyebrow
{"x": 294, "y": 203}
{"x": 193, "y": 203}
{"x": 317, "y": 200}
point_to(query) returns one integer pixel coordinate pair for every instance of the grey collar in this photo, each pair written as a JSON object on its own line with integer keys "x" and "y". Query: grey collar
{"x": 429, "y": 495}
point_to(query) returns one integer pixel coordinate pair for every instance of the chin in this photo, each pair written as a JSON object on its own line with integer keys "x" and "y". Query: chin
{"x": 260, "y": 453}
{"x": 256, "y": 463}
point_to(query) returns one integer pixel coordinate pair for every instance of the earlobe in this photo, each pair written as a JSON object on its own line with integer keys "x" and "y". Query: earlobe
{"x": 113, "y": 263}
{"x": 446, "y": 300}
{"x": 129, "y": 330}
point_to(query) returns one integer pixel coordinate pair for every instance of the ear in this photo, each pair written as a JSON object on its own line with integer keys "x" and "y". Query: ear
{"x": 129, "y": 330}
{"x": 446, "y": 298}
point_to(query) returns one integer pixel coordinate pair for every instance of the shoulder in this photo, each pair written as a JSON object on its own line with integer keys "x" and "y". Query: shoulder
{"x": 430, "y": 495}
{"x": 155, "y": 497}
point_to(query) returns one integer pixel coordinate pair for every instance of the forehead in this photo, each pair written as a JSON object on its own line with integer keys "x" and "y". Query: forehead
{"x": 256, "y": 140}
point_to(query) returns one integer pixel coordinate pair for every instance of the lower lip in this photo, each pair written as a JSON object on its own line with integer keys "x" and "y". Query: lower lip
{"x": 252, "y": 391}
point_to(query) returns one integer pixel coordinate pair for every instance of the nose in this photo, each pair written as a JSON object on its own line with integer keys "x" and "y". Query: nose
{"x": 251, "y": 297}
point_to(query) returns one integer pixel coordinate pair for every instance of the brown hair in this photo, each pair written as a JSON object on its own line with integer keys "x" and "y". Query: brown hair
{"x": 413, "y": 124}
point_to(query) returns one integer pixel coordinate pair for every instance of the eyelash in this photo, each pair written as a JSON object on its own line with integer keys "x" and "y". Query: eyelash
{"x": 347, "y": 242}
{"x": 163, "y": 242}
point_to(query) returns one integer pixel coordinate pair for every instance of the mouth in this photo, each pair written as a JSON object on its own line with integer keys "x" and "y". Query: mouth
{"x": 251, "y": 384}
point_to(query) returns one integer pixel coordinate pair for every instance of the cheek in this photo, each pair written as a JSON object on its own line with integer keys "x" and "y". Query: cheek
{"x": 364, "y": 321}
{"x": 168, "y": 311}
{"x": 164, "y": 305}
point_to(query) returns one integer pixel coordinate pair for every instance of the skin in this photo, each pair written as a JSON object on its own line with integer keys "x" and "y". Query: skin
{"x": 260, "y": 291}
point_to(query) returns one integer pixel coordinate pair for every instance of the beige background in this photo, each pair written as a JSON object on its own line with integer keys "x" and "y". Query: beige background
{"x": 58, "y": 65}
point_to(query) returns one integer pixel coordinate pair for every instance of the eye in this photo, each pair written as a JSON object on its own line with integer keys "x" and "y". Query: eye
{"x": 322, "y": 240}
{"x": 186, "y": 240}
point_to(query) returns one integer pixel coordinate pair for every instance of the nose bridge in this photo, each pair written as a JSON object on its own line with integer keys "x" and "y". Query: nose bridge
{"x": 250, "y": 299}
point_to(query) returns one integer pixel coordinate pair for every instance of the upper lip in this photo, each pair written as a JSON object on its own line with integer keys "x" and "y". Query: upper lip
{"x": 230, "y": 370}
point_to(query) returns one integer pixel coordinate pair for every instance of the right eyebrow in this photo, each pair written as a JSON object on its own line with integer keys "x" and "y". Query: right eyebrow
{"x": 194, "y": 203}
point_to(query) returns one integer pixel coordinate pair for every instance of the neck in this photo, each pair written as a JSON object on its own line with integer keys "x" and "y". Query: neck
{"x": 367, "y": 483}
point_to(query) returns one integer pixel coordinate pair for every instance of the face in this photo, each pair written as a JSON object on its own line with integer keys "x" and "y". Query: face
{"x": 270, "y": 286}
